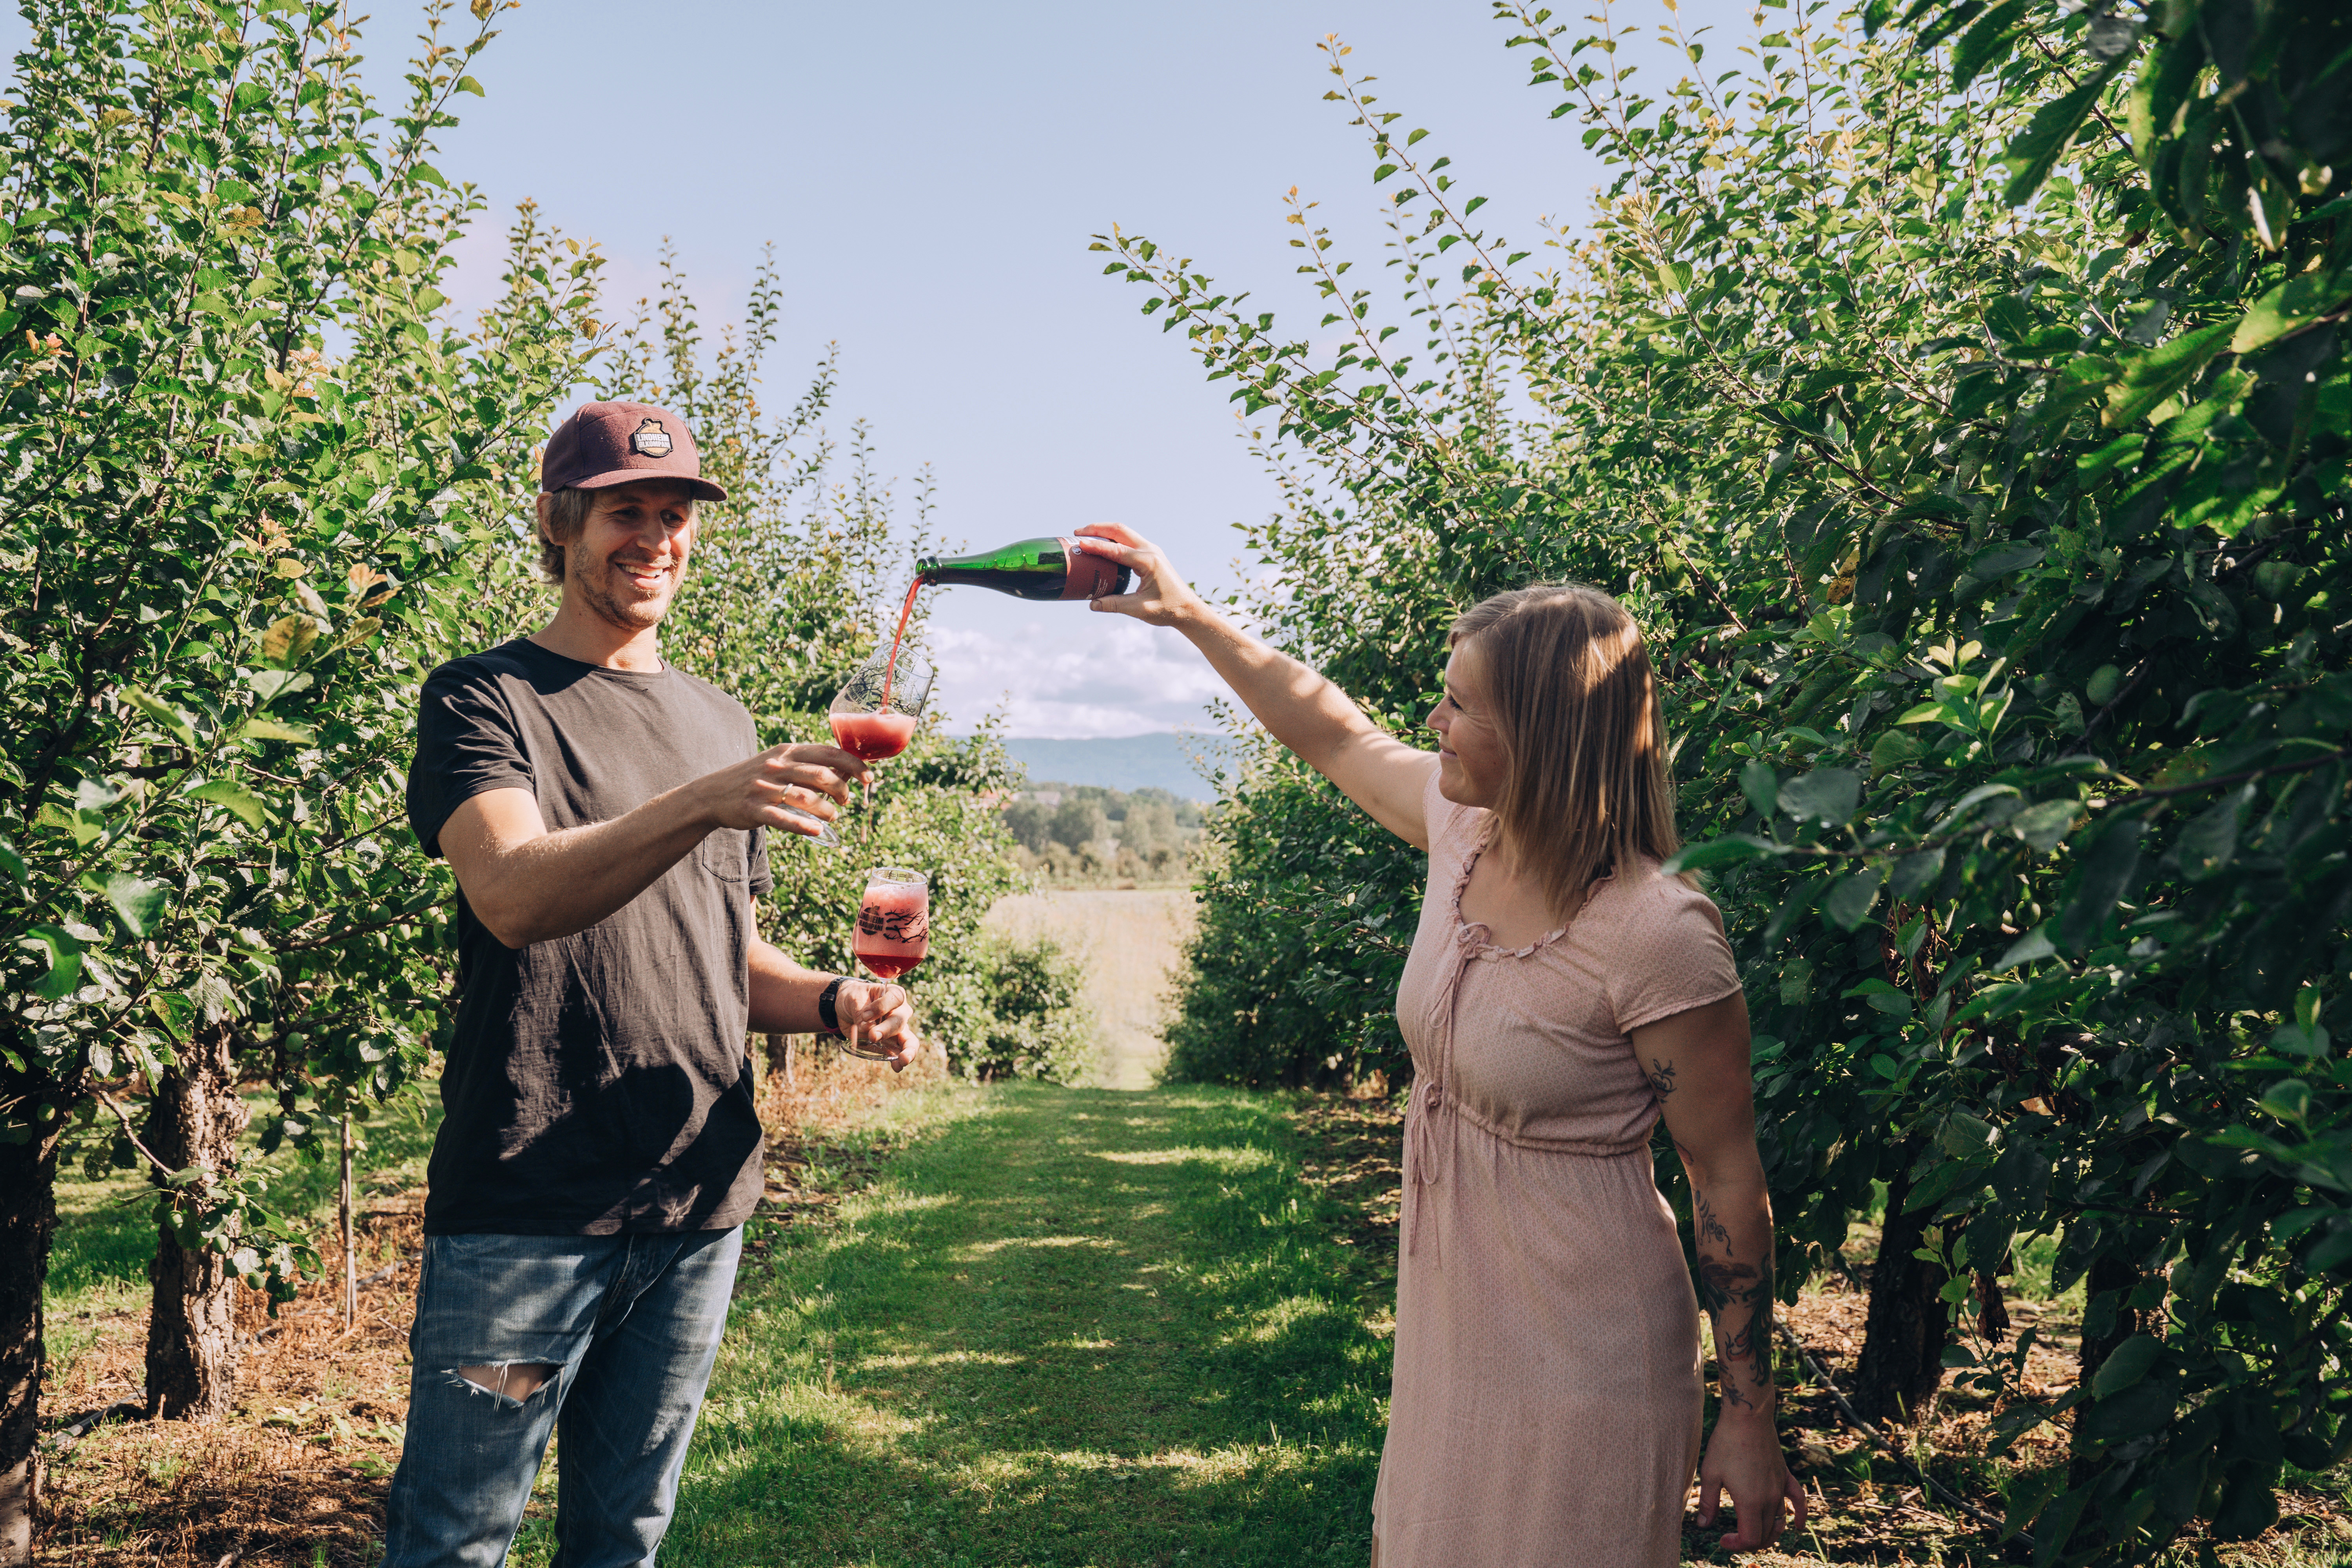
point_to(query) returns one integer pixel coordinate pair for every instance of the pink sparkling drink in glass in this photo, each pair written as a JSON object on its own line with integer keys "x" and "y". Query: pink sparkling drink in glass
{"x": 894, "y": 921}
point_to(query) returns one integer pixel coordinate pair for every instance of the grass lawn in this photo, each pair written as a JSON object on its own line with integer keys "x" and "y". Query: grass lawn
{"x": 1012, "y": 1326}
{"x": 1077, "y": 1326}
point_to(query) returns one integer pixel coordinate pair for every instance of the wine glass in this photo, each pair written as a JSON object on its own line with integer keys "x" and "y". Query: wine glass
{"x": 894, "y": 932}
{"x": 874, "y": 713}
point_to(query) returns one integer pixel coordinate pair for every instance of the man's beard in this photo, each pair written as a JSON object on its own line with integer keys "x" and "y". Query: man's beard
{"x": 628, "y": 616}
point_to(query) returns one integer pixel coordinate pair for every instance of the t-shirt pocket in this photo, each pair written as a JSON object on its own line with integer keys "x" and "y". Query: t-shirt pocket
{"x": 726, "y": 854}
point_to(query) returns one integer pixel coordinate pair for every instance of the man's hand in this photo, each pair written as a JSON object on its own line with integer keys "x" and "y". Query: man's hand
{"x": 794, "y": 788}
{"x": 879, "y": 1017}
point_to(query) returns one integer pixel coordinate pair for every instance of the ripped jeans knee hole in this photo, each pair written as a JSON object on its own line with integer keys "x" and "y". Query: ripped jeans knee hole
{"x": 509, "y": 1379}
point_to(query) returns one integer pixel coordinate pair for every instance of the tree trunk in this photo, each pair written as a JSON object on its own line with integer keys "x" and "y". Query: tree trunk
{"x": 2120, "y": 1275}
{"x": 1909, "y": 1323}
{"x": 781, "y": 1052}
{"x": 28, "y": 1217}
{"x": 191, "y": 1331}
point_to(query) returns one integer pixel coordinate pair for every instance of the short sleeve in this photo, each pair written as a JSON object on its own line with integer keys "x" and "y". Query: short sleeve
{"x": 467, "y": 743}
{"x": 1451, "y": 825}
{"x": 763, "y": 880}
{"x": 1670, "y": 954}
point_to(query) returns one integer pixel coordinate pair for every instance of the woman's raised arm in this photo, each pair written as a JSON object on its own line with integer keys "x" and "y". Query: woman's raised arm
{"x": 1299, "y": 708}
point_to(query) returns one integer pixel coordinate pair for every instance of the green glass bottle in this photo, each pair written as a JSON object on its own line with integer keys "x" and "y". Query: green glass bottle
{"x": 1028, "y": 569}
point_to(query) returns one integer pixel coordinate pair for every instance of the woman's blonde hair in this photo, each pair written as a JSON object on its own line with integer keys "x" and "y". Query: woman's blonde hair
{"x": 1589, "y": 789}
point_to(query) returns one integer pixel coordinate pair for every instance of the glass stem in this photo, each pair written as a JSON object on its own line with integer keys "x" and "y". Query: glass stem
{"x": 866, "y": 821}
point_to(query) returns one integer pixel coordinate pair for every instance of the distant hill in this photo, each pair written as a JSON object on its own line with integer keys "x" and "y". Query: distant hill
{"x": 1131, "y": 761}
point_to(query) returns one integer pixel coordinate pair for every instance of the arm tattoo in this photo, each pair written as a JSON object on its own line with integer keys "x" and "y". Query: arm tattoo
{"x": 1739, "y": 1300}
{"x": 1736, "y": 1295}
{"x": 1711, "y": 1233}
{"x": 1661, "y": 1077}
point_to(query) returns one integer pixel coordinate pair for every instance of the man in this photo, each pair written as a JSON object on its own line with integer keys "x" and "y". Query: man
{"x": 606, "y": 817}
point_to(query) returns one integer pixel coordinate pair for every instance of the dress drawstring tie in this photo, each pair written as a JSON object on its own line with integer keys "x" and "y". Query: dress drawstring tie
{"x": 1429, "y": 1155}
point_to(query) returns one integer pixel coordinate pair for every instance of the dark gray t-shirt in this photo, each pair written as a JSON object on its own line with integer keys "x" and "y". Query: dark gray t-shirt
{"x": 597, "y": 1083}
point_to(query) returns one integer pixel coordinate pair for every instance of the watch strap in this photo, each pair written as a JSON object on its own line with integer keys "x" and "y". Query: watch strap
{"x": 825, "y": 1005}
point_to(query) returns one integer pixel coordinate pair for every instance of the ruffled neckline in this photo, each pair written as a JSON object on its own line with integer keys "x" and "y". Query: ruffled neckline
{"x": 1466, "y": 931}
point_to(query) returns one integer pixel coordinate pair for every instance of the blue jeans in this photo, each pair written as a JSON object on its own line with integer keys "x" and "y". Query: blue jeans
{"x": 623, "y": 1329}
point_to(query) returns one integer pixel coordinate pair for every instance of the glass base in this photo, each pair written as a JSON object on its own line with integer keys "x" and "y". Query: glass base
{"x": 825, "y": 837}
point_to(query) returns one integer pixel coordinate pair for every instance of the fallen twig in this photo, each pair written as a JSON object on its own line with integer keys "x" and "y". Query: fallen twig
{"x": 1853, "y": 1418}
{"x": 81, "y": 1426}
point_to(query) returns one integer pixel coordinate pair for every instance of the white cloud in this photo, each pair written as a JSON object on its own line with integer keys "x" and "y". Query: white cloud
{"x": 1072, "y": 678}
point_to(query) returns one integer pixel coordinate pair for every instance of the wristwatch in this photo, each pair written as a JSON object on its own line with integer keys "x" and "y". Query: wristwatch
{"x": 825, "y": 1012}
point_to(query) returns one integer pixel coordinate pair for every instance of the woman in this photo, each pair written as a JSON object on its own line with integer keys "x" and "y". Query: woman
{"x": 1561, "y": 994}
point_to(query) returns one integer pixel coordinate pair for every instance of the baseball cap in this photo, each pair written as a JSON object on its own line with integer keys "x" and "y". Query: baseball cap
{"x": 605, "y": 444}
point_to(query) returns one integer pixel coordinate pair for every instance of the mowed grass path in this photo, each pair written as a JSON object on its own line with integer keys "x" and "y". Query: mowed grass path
{"x": 1068, "y": 1326}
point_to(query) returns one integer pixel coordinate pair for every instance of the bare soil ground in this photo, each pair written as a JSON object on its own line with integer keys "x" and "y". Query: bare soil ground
{"x": 1130, "y": 942}
{"x": 1865, "y": 1507}
{"x": 296, "y": 1476}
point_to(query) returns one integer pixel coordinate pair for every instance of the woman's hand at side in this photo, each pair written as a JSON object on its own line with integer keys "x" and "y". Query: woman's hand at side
{"x": 1744, "y": 1458}
{"x": 1299, "y": 708}
{"x": 1697, "y": 1064}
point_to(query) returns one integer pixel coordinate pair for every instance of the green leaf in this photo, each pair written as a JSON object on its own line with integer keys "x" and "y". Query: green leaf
{"x": 2045, "y": 825}
{"x": 288, "y": 639}
{"x": 2095, "y": 466}
{"x": 2289, "y": 307}
{"x": 234, "y": 799}
{"x": 2110, "y": 862}
{"x": 1724, "y": 851}
{"x": 12, "y": 862}
{"x": 1913, "y": 872}
{"x": 163, "y": 714}
{"x": 1989, "y": 40}
{"x": 271, "y": 684}
{"x": 1830, "y": 795}
{"x": 1761, "y": 785}
{"x": 1999, "y": 561}
{"x": 1894, "y": 748}
{"x": 2208, "y": 843}
{"x": 2149, "y": 378}
{"x": 258, "y": 728}
{"x": 63, "y": 951}
{"x": 2031, "y": 948}
{"x": 2125, "y": 1365}
{"x": 136, "y": 902}
{"x": 2045, "y": 139}
{"x": 96, "y": 796}
{"x": 1849, "y": 903}
{"x": 2146, "y": 1406}
{"x": 2027, "y": 1496}
{"x": 2289, "y": 1099}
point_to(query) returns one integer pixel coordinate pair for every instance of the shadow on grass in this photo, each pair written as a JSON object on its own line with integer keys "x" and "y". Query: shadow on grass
{"x": 1073, "y": 1327}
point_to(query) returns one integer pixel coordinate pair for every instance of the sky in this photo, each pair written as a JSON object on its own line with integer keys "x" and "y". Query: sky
{"x": 930, "y": 174}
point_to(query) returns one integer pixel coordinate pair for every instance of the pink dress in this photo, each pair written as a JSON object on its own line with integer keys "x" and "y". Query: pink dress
{"x": 1546, "y": 1405}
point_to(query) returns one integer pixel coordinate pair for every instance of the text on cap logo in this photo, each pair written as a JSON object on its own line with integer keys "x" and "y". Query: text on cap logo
{"x": 650, "y": 440}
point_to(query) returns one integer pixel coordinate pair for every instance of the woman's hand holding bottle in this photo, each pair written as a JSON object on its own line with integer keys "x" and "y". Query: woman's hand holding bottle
{"x": 1159, "y": 597}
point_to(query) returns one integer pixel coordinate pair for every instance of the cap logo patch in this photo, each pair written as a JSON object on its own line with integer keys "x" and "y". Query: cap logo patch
{"x": 650, "y": 440}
